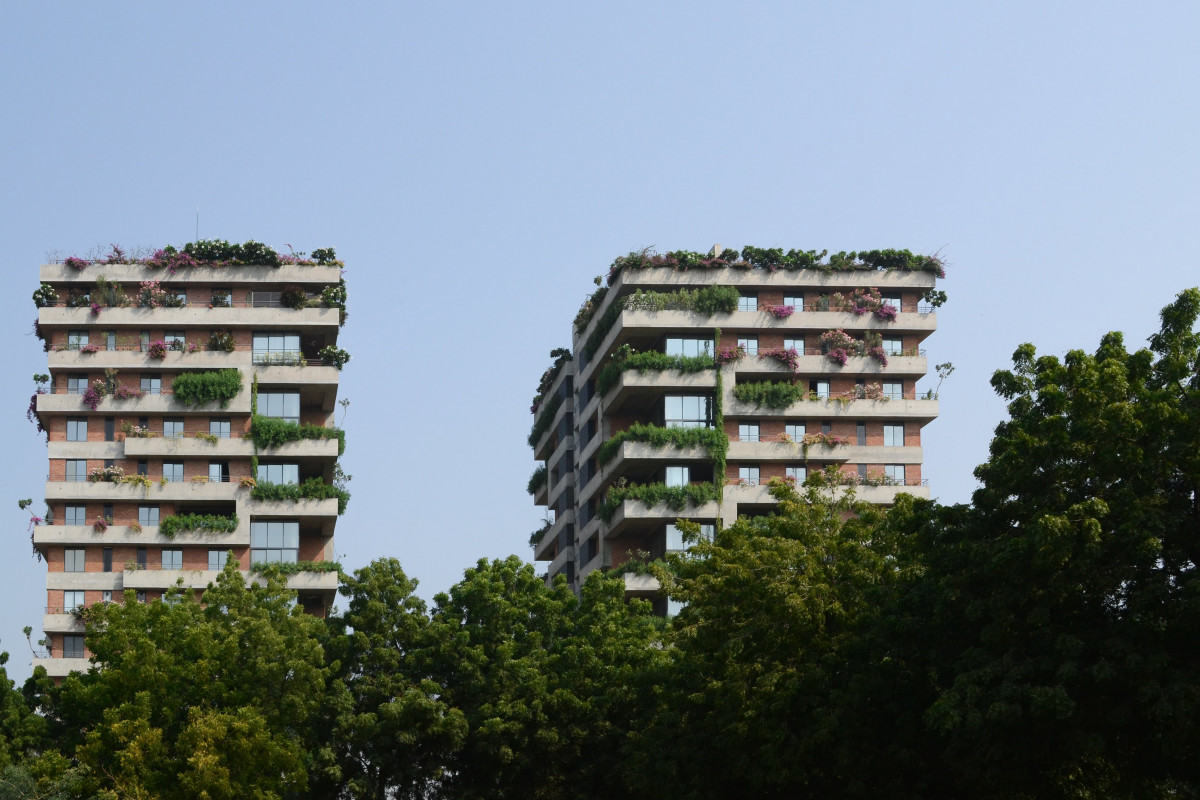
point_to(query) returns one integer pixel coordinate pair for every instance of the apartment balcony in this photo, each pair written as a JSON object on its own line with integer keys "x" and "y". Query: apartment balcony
{"x": 561, "y": 485}
{"x": 551, "y": 441}
{"x": 813, "y": 363}
{"x": 549, "y": 537}
{"x": 641, "y": 390}
{"x": 795, "y": 452}
{"x": 632, "y": 456}
{"x": 316, "y": 510}
{"x": 665, "y": 279}
{"x": 58, "y": 621}
{"x": 310, "y": 320}
{"x": 82, "y": 535}
{"x": 760, "y": 495}
{"x": 205, "y": 276}
{"x": 157, "y": 492}
{"x": 644, "y": 586}
{"x": 92, "y": 450}
{"x": 135, "y": 358}
{"x": 922, "y": 411}
{"x": 168, "y": 578}
{"x": 634, "y": 515}
{"x": 564, "y": 555}
{"x": 317, "y": 384}
{"x": 180, "y": 447}
{"x": 147, "y": 405}
{"x": 541, "y": 495}
{"x": 84, "y": 580}
{"x": 61, "y": 667}
{"x": 304, "y": 448}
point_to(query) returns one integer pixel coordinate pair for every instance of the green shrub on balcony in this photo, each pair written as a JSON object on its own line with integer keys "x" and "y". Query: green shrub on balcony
{"x": 537, "y": 480}
{"x": 769, "y": 393}
{"x": 212, "y": 386}
{"x": 658, "y": 437}
{"x": 311, "y": 489}
{"x": 297, "y": 567}
{"x": 707, "y": 300}
{"x": 544, "y": 418}
{"x": 624, "y": 358}
{"x": 271, "y": 432}
{"x": 207, "y": 523}
{"x": 676, "y": 498}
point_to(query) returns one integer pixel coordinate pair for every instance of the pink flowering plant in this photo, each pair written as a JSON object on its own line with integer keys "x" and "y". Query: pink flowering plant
{"x": 839, "y": 346}
{"x": 95, "y": 309}
{"x": 157, "y": 349}
{"x": 781, "y": 312}
{"x": 864, "y": 301}
{"x": 89, "y": 348}
{"x": 74, "y": 263}
{"x": 788, "y": 356}
{"x": 730, "y": 353}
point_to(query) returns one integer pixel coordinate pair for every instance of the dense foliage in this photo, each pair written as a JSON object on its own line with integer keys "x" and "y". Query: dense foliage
{"x": 271, "y": 432}
{"x": 625, "y": 358}
{"x": 310, "y": 489}
{"x": 658, "y": 437}
{"x": 208, "y": 523}
{"x": 208, "y": 386}
{"x": 1037, "y": 643}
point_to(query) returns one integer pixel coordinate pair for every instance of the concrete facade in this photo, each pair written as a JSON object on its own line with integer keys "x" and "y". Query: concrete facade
{"x": 102, "y": 535}
{"x": 861, "y": 420}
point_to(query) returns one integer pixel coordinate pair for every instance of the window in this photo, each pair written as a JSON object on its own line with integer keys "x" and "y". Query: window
{"x": 281, "y": 405}
{"x": 678, "y": 476}
{"x": 893, "y": 435}
{"x": 748, "y": 432}
{"x": 72, "y": 599}
{"x": 218, "y": 472}
{"x": 76, "y": 385}
{"x": 106, "y": 559}
{"x": 893, "y": 346}
{"x": 894, "y": 391}
{"x": 180, "y": 295}
{"x": 147, "y": 515}
{"x": 826, "y": 427}
{"x": 796, "y": 301}
{"x": 748, "y": 302}
{"x": 862, "y": 471}
{"x": 219, "y": 427}
{"x": 143, "y": 468}
{"x": 174, "y": 340}
{"x": 141, "y": 562}
{"x": 220, "y": 297}
{"x": 76, "y": 470}
{"x": 821, "y": 388}
{"x": 674, "y": 537}
{"x": 274, "y": 542}
{"x": 794, "y": 431}
{"x": 141, "y": 596}
{"x": 749, "y": 344}
{"x": 172, "y": 559}
{"x": 76, "y": 515}
{"x": 689, "y": 347}
{"x": 797, "y": 474}
{"x": 110, "y": 429}
{"x": 861, "y": 431}
{"x": 172, "y": 472}
{"x": 73, "y": 560}
{"x": 217, "y": 559}
{"x": 794, "y": 344}
{"x": 894, "y": 473}
{"x": 144, "y": 340}
{"x": 681, "y": 412}
{"x": 892, "y": 300}
{"x": 76, "y": 339}
{"x": 110, "y": 340}
{"x": 152, "y": 384}
{"x": 72, "y": 645}
{"x": 172, "y": 427}
{"x": 106, "y": 596}
{"x": 276, "y": 348}
{"x": 748, "y": 475}
{"x": 77, "y": 430}
{"x": 279, "y": 473}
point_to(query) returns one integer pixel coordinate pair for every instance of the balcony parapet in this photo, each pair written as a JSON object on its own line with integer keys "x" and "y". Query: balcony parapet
{"x": 214, "y": 276}
{"x": 61, "y": 667}
{"x": 326, "y": 319}
{"x": 665, "y": 279}
{"x": 794, "y": 451}
{"x": 173, "y": 361}
{"x": 178, "y": 491}
{"x": 146, "y": 405}
{"x": 813, "y": 364}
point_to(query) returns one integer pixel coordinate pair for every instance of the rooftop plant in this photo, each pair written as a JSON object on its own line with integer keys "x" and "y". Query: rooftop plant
{"x": 207, "y": 253}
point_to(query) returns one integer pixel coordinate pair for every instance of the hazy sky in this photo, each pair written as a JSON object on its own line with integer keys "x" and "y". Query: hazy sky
{"x": 476, "y": 164}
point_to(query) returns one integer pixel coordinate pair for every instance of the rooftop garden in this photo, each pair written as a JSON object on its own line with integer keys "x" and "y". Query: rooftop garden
{"x": 205, "y": 253}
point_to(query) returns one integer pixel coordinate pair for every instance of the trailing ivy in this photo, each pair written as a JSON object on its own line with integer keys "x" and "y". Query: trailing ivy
{"x": 769, "y": 394}
{"x": 207, "y": 523}
{"x": 297, "y": 567}
{"x": 624, "y": 358}
{"x": 651, "y": 494}
{"x": 658, "y": 437}
{"x": 537, "y": 480}
{"x": 210, "y": 386}
{"x": 311, "y": 489}
{"x": 544, "y": 418}
{"x": 271, "y": 432}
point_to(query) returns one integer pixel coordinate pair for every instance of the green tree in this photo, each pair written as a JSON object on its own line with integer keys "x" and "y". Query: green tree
{"x": 1063, "y": 605}
{"x": 191, "y": 700}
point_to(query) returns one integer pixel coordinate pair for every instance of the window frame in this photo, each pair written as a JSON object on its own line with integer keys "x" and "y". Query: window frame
{"x": 74, "y": 434}
{"x": 747, "y": 302}
{"x": 74, "y": 559}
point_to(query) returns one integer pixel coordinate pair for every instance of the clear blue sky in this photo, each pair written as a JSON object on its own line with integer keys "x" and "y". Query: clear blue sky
{"x": 475, "y": 164}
